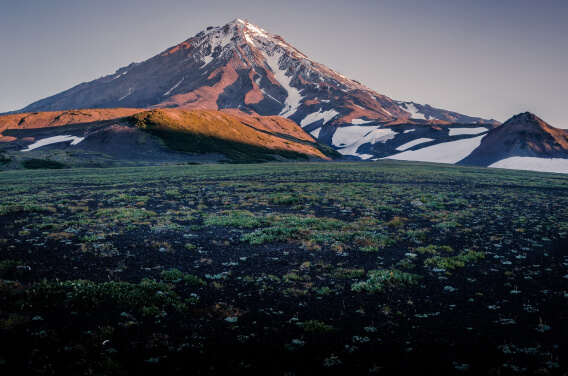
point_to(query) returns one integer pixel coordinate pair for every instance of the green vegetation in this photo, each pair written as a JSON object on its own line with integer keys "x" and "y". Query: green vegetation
{"x": 124, "y": 214}
{"x": 156, "y": 268}
{"x": 454, "y": 262}
{"x": 434, "y": 249}
{"x": 9, "y": 208}
{"x": 176, "y": 276}
{"x": 380, "y": 279}
{"x": 11, "y": 268}
{"x": 236, "y": 218}
{"x": 318, "y": 327}
{"x": 286, "y": 227}
{"x": 34, "y": 164}
{"x": 4, "y": 159}
{"x": 342, "y": 273}
{"x": 76, "y": 294}
{"x": 284, "y": 199}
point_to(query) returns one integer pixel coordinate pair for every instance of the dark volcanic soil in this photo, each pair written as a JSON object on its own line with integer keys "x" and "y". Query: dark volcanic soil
{"x": 276, "y": 266}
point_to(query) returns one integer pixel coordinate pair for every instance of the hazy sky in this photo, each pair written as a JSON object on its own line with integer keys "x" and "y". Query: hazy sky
{"x": 488, "y": 58}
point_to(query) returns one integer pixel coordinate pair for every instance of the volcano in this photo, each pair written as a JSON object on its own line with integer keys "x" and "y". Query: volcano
{"x": 241, "y": 66}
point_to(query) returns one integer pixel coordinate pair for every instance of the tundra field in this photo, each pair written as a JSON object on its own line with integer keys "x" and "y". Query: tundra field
{"x": 287, "y": 269}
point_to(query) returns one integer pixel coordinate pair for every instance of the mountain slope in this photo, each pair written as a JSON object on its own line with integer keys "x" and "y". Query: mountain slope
{"x": 161, "y": 135}
{"x": 240, "y": 137}
{"x": 523, "y": 142}
{"x": 61, "y": 118}
{"x": 524, "y": 135}
{"x": 242, "y": 66}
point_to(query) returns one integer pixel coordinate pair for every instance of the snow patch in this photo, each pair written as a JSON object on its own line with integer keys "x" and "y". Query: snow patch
{"x": 313, "y": 117}
{"x": 557, "y": 165}
{"x": 460, "y": 131}
{"x": 257, "y": 30}
{"x": 176, "y": 85}
{"x": 127, "y": 94}
{"x": 412, "y": 143}
{"x": 294, "y": 97}
{"x": 269, "y": 96}
{"x": 216, "y": 39}
{"x": 316, "y": 132}
{"x": 409, "y": 130}
{"x": 120, "y": 75}
{"x": 447, "y": 152}
{"x": 206, "y": 60}
{"x": 412, "y": 110}
{"x": 344, "y": 136}
{"x": 355, "y": 136}
{"x": 360, "y": 121}
{"x": 53, "y": 140}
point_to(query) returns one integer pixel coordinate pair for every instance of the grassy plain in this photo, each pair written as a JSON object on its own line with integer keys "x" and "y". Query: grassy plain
{"x": 306, "y": 268}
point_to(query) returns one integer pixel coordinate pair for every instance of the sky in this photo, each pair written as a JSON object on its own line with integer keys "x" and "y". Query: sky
{"x": 486, "y": 58}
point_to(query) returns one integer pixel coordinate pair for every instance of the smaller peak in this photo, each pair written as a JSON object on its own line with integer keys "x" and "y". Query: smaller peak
{"x": 525, "y": 118}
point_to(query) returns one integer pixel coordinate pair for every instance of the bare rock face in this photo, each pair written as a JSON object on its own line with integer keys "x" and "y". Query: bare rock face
{"x": 524, "y": 135}
{"x": 244, "y": 67}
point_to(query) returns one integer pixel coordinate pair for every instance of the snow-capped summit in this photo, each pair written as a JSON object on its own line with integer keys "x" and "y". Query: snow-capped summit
{"x": 242, "y": 66}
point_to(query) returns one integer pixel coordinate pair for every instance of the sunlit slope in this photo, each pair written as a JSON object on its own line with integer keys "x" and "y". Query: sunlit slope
{"x": 244, "y": 139}
{"x": 232, "y": 135}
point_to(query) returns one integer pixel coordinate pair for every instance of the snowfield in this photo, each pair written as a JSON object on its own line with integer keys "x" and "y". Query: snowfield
{"x": 217, "y": 39}
{"x": 447, "y": 152}
{"x": 460, "y": 131}
{"x": 360, "y": 121}
{"x": 294, "y": 97}
{"x": 344, "y": 136}
{"x": 360, "y": 136}
{"x": 412, "y": 110}
{"x": 53, "y": 140}
{"x": 412, "y": 143}
{"x": 313, "y": 117}
{"x": 558, "y": 165}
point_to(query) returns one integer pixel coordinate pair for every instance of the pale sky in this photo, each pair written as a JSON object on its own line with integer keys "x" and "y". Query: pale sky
{"x": 487, "y": 58}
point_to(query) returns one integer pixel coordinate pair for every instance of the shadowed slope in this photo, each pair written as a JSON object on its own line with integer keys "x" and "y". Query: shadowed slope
{"x": 524, "y": 135}
{"x": 179, "y": 135}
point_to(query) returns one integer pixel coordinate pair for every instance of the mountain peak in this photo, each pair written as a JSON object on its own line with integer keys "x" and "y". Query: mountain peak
{"x": 523, "y": 135}
{"x": 525, "y": 119}
{"x": 242, "y": 66}
{"x": 526, "y": 116}
{"x": 235, "y": 27}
